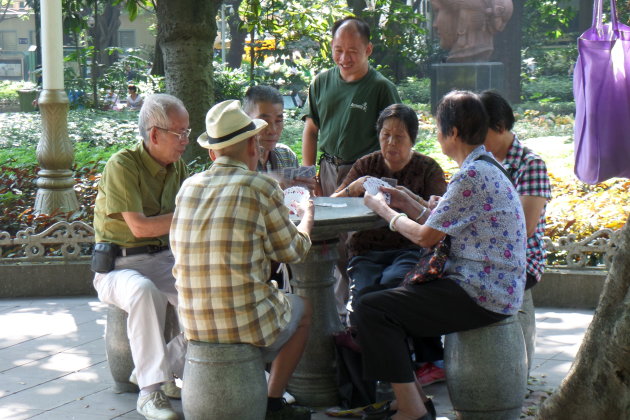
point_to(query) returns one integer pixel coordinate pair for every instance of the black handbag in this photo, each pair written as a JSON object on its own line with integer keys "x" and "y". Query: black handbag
{"x": 431, "y": 266}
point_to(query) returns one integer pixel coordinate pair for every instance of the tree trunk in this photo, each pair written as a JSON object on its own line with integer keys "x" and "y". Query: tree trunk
{"x": 598, "y": 384}
{"x": 158, "y": 60}
{"x": 237, "y": 36}
{"x": 507, "y": 50}
{"x": 186, "y": 33}
{"x": 585, "y": 15}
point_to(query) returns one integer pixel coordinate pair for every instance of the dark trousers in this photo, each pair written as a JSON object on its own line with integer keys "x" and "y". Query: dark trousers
{"x": 387, "y": 319}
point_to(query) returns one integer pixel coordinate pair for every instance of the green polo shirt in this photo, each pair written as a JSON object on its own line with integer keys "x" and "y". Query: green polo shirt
{"x": 346, "y": 112}
{"x": 133, "y": 181}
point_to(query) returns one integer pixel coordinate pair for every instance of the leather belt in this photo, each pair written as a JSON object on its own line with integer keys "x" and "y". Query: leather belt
{"x": 337, "y": 161}
{"x": 148, "y": 249}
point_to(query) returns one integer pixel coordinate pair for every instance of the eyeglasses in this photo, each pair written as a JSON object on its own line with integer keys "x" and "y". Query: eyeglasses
{"x": 180, "y": 135}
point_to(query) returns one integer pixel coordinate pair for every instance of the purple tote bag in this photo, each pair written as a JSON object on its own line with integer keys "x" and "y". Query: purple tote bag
{"x": 601, "y": 86}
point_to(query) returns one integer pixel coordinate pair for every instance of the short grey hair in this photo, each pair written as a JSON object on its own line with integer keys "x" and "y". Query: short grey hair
{"x": 261, "y": 93}
{"x": 155, "y": 112}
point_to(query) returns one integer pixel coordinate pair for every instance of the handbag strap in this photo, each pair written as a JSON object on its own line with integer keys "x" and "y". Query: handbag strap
{"x": 598, "y": 15}
{"x": 497, "y": 164}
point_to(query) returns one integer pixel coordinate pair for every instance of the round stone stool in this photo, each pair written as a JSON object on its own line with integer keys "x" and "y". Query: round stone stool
{"x": 527, "y": 319}
{"x": 224, "y": 382}
{"x": 117, "y": 345}
{"x": 486, "y": 371}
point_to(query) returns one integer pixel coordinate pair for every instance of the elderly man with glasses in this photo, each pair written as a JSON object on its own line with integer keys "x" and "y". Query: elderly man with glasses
{"x": 132, "y": 218}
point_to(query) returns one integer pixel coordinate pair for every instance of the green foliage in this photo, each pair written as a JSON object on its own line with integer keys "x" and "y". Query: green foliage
{"x": 293, "y": 25}
{"x": 545, "y": 20}
{"x": 415, "y": 91}
{"x": 549, "y": 60}
{"x": 398, "y": 35}
{"x": 228, "y": 83}
{"x": 547, "y": 89}
{"x": 130, "y": 68}
{"x": 9, "y": 90}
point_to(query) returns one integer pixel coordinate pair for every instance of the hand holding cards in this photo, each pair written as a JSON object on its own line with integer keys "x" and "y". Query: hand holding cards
{"x": 372, "y": 186}
{"x": 296, "y": 197}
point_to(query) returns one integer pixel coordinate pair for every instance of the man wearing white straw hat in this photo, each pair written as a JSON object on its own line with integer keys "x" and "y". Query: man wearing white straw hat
{"x": 229, "y": 223}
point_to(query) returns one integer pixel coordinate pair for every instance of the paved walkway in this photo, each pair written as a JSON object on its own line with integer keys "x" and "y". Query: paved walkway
{"x": 53, "y": 364}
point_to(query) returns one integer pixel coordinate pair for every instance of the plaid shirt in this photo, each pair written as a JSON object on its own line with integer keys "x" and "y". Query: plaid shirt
{"x": 280, "y": 157}
{"x": 529, "y": 173}
{"x": 228, "y": 224}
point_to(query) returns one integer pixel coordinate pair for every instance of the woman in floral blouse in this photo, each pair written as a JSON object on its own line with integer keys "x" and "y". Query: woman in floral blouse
{"x": 484, "y": 275}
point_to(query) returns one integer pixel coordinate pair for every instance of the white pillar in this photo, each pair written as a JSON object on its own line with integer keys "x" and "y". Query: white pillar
{"x": 52, "y": 44}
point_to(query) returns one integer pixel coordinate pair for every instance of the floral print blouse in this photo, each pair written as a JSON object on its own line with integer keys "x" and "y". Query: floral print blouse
{"x": 482, "y": 213}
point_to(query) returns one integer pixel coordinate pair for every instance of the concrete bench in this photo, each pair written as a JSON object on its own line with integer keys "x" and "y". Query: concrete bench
{"x": 224, "y": 382}
{"x": 486, "y": 371}
{"x": 118, "y": 349}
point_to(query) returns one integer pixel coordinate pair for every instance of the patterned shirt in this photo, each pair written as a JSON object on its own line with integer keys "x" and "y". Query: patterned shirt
{"x": 529, "y": 173}
{"x": 279, "y": 158}
{"x": 228, "y": 224}
{"x": 422, "y": 175}
{"x": 482, "y": 213}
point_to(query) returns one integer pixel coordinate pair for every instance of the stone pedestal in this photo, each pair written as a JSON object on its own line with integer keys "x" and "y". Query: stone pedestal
{"x": 314, "y": 381}
{"x": 117, "y": 345}
{"x": 475, "y": 77}
{"x": 486, "y": 371}
{"x": 527, "y": 319}
{"x": 224, "y": 382}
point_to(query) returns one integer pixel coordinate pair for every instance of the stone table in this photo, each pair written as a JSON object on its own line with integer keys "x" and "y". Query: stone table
{"x": 313, "y": 383}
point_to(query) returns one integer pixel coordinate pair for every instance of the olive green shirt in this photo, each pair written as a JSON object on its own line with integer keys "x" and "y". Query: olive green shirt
{"x": 133, "y": 181}
{"x": 346, "y": 112}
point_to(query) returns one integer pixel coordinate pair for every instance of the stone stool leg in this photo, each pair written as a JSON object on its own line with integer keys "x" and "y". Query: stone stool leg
{"x": 118, "y": 349}
{"x": 224, "y": 382}
{"x": 527, "y": 319}
{"x": 486, "y": 371}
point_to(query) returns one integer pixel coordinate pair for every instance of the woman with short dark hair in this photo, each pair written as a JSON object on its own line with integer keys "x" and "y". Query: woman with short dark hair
{"x": 483, "y": 277}
{"x": 380, "y": 258}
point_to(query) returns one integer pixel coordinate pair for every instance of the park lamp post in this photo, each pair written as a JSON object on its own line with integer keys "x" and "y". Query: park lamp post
{"x": 55, "y": 153}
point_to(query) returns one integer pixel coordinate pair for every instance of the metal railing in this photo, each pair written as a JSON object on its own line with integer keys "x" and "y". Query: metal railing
{"x": 63, "y": 242}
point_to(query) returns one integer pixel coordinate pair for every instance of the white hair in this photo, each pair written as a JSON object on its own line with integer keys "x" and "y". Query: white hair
{"x": 155, "y": 112}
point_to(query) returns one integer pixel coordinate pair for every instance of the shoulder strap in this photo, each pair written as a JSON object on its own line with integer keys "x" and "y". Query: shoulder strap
{"x": 497, "y": 164}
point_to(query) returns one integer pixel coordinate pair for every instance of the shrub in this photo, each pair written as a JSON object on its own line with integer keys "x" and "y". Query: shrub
{"x": 9, "y": 91}
{"x": 548, "y": 89}
{"x": 228, "y": 83}
{"x": 415, "y": 91}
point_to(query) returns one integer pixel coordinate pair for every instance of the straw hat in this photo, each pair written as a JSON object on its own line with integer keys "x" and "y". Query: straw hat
{"x": 228, "y": 124}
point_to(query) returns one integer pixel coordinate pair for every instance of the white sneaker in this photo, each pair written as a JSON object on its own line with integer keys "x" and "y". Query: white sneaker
{"x": 155, "y": 406}
{"x": 170, "y": 389}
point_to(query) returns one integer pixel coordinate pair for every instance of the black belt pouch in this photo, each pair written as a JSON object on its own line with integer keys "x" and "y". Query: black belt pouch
{"x": 104, "y": 257}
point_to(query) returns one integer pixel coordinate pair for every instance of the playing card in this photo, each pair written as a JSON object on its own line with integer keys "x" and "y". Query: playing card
{"x": 372, "y": 186}
{"x": 294, "y": 197}
{"x": 306, "y": 171}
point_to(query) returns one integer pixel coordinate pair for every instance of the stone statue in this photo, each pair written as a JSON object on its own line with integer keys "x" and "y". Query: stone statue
{"x": 467, "y": 27}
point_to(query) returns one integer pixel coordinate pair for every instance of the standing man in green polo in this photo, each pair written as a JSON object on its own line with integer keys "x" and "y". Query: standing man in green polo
{"x": 343, "y": 105}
